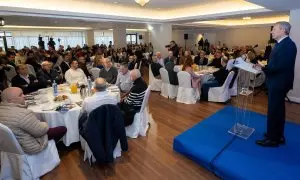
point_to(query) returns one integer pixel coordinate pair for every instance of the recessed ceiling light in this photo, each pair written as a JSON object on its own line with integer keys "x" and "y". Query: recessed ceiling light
{"x": 246, "y": 18}
{"x": 116, "y": 2}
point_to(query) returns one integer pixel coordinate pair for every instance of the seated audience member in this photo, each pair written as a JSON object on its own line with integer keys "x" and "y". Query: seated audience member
{"x": 169, "y": 65}
{"x": 261, "y": 55}
{"x": 98, "y": 62}
{"x": 27, "y": 82}
{"x": 109, "y": 73}
{"x": 160, "y": 60}
{"x": 251, "y": 58}
{"x": 100, "y": 97}
{"x": 155, "y": 66}
{"x": 123, "y": 79}
{"x": 185, "y": 55}
{"x": 131, "y": 63}
{"x": 217, "y": 60}
{"x": 200, "y": 59}
{"x": 170, "y": 58}
{"x": 82, "y": 65}
{"x": 187, "y": 66}
{"x": 11, "y": 59}
{"x": 216, "y": 80}
{"x": 65, "y": 65}
{"x": 236, "y": 59}
{"x": 20, "y": 57}
{"x": 75, "y": 75}
{"x": 133, "y": 101}
{"x": 3, "y": 77}
{"x": 47, "y": 75}
{"x": 31, "y": 133}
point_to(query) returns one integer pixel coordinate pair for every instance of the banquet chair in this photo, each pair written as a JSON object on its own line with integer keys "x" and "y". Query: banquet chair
{"x": 221, "y": 94}
{"x": 31, "y": 69}
{"x": 167, "y": 90}
{"x": 95, "y": 72}
{"x": 186, "y": 94}
{"x": 15, "y": 164}
{"x": 154, "y": 83}
{"x": 11, "y": 73}
{"x": 140, "y": 123}
{"x": 88, "y": 154}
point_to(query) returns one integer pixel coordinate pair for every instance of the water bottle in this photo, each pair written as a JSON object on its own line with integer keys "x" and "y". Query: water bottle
{"x": 89, "y": 86}
{"x": 55, "y": 90}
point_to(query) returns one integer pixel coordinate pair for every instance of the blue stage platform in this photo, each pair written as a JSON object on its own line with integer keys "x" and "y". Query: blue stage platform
{"x": 239, "y": 158}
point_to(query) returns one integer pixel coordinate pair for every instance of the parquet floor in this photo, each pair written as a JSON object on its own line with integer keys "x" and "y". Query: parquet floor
{"x": 152, "y": 157}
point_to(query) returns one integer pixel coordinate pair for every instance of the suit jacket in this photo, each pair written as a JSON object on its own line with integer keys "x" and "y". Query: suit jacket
{"x": 104, "y": 127}
{"x": 155, "y": 69}
{"x": 281, "y": 65}
{"x": 221, "y": 75}
{"x": 216, "y": 63}
{"x": 47, "y": 78}
{"x": 173, "y": 60}
{"x": 198, "y": 61}
{"x": 172, "y": 74}
{"x": 17, "y": 81}
{"x": 64, "y": 67}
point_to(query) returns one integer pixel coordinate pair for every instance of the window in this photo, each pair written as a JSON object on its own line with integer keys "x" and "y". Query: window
{"x": 131, "y": 38}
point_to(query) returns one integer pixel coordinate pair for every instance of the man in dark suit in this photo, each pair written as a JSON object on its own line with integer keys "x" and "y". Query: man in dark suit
{"x": 280, "y": 74}
{"x": 201, "y": 60}
{"x": 47, "y": 76}
{"x": 171, "y": 57}
{"x": 27, "y": 82}
{"x": 169, "y": 65}
{"x": 65, "y": 65}
{"x": 217, "y": 60}
{"x": 155, "y": 67}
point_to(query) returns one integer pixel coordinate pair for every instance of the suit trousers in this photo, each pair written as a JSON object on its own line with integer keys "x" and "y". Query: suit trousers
{"x": 276, "y": 113}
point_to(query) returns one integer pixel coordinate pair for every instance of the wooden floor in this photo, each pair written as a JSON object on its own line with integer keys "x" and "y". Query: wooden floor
{"x": 152, "y": 157}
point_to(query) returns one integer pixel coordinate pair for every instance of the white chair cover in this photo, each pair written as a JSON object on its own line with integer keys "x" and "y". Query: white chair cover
{"x": 88, "y": 154}
{"x": 15, "y": 164}
{"x": 233, "y": 91}
{"x": 140, "y": 123}
{"x": 95, "y": 72}
{"x": 11, "y": 73}
{"x": 167, "y": 90}
{"x": 154, "y": 83}
{"x": 221, "y": 94}
{"x": 31, "y": 69}
{"x": 186, "y": 94}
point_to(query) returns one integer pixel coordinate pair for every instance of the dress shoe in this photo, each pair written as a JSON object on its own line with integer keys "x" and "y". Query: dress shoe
{"x": 281, "y": 141}
{"x": 267, "y": 143}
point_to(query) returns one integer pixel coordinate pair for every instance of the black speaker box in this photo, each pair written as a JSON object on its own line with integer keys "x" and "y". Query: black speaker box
{"x": 140, "y": 36}
{"x": 186, "y": 36}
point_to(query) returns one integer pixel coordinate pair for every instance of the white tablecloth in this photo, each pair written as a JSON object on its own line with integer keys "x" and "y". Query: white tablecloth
{"x": 68, "y": 119}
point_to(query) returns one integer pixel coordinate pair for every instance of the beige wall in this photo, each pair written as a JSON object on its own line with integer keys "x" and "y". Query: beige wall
{"x": 294, "y": 95}
{"x": 244, "y": 36}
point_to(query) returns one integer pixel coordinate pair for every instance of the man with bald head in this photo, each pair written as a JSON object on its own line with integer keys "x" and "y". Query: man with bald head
{"x": 133, "y": 102}
{"x": 100, "y": 97}
{"x": 160, "y": 60}
{"x": 31, "y": 133}
{"x": 27, "y": 82}
{"x": 109, "y": 73}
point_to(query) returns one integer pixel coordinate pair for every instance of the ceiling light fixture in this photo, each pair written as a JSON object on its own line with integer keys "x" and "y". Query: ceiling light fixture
{"x": 246, "y": 18}
{"x": 142, "y": 2}
{"x": 45, "y": 27}
{"x": 116, "y": 2}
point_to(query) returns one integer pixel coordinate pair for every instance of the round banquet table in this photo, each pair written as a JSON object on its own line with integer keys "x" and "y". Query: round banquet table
{"x": 44, "y": 111}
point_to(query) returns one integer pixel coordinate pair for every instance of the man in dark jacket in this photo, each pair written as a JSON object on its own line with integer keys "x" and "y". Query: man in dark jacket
{"x": 217, "y": 60}
{"x": 280, "y": 75}
{"x": 201, "y": 60}
{"x": 46, "y": 75}
{"x": 169, "y": 65}
{"x": 27, "y": 82}
{"x": 217, "y": 80}
{"x": 65, "y": 65}
{"x": 109, "y": 72}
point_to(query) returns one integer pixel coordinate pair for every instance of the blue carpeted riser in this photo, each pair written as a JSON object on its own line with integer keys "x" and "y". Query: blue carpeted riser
{"x": 242, "y": 159}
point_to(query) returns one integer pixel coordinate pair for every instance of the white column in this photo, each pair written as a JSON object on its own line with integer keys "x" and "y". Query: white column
{"x": 89, "y": 38}
{"x": 160, "y": 36}
{"x": 294, "y": 95}
{"x": 146, "y": 37}
{"x": 119, "y": 34}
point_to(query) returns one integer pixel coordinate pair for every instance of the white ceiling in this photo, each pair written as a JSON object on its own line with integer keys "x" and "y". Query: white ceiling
{"x": 280, "y": 5}
{"x": 160, "y": 3}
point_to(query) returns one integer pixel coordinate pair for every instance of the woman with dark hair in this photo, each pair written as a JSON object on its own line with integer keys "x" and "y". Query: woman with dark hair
{"x": 3, "y": 78}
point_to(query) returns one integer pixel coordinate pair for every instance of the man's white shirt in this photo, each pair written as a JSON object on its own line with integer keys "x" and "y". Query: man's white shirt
{"x": 124, "y": 82}
{"x": 75, "y": 76}
{"x": 97, "y": 100}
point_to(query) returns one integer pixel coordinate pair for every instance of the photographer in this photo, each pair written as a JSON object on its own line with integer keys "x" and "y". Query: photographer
{"x": 174, "y": 48}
